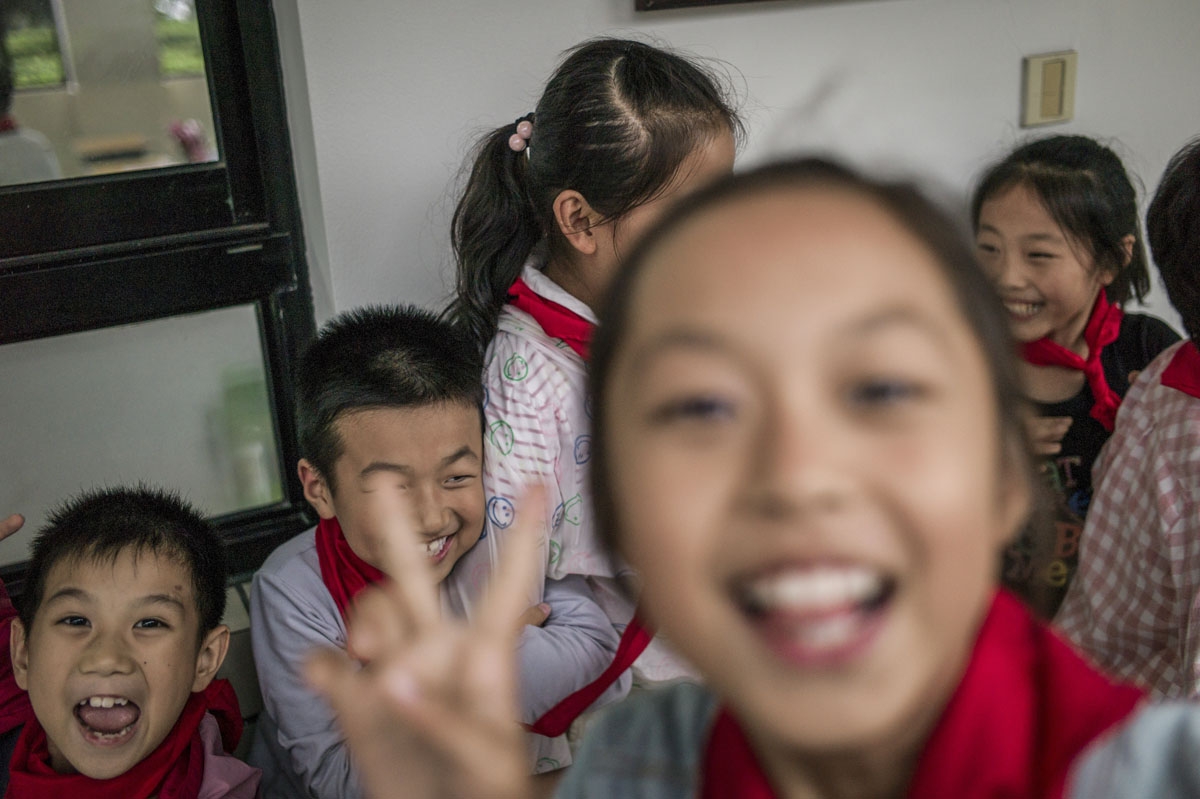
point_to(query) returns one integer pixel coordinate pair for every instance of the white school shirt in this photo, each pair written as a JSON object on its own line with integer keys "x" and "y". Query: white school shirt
{"x": 538, "y": 429}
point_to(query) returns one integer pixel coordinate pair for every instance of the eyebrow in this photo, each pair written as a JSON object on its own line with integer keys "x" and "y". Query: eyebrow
{"x": 70, "y": 592}
{"x": 862, "y": 327}
{"x": 463, "y": 452}
{"x": 1050, "y": 237}
{"x": 676, "y": 339}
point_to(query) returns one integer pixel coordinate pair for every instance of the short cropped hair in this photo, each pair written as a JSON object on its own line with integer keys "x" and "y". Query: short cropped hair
{"x": 1173, "y": 230}
{"x": 380, "y": 357}
{"x": 100, "y": 525}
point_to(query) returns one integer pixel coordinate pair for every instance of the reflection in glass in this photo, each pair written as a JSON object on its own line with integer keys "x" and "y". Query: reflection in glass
{"x": 179, "y": 402}
{"x": 101, "y": 86}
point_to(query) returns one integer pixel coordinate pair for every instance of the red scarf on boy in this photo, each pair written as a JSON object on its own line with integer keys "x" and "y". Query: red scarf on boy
{"x": 175, "y": 770}
{"x": 7, "y": 123}
{"x": 343, "y": 572}
{"x": 1103, "y": 328}
{"x": 561, "y": 322}
{"x": 1026, "y": 707}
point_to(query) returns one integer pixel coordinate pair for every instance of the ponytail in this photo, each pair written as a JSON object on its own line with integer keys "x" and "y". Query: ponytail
{"x": 493, "y": 231}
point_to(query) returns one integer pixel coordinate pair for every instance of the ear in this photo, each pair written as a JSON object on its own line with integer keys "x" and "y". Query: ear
{"x": 212, "y": 653}
{"x": 316, "y": 489}
{"x": 18, "y": 645}
{"x": 1127, "y": 243}
{"x": 574, "y": 217}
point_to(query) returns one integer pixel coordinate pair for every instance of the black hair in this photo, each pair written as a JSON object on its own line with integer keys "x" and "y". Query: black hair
{"x": 616, "y": 121}
{"x": 945, "y": 239}
{"x": 101, "y": 525}
{"x": 1173, "y": 230}
{"x": 380, "y": 357}
{"x": 1085, "y": 188}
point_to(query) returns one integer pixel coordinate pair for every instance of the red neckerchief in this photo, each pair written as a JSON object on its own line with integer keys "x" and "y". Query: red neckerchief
{"x": 175, "y": 770}
{"x": 7, "y": 123}
{"x": 1183, "y": 372}
{"x": 1026, "y": 707}
{"x": 1103, "y": 328}
{"x": 561, "y": 322}
{"x": 343, "y": 572}
{"x": 557, "y": 320}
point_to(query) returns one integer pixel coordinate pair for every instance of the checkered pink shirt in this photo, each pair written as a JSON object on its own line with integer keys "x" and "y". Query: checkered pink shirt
{"x": 1134, "y": 605}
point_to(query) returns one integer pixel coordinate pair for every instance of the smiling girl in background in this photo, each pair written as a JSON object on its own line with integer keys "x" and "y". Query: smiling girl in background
{"x": 1056, "y": 228}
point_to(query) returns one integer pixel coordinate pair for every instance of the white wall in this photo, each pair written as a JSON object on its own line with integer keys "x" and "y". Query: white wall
{"x": 398, "y": 90}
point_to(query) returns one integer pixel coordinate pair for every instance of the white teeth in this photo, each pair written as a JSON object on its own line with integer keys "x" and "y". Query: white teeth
{"x": 828, "y": 633}
{"x": 104, "y": 701}
{"x": 816, "y": 589}
{"x": 1023, "y": 308}
{"x": 435, "y": 546}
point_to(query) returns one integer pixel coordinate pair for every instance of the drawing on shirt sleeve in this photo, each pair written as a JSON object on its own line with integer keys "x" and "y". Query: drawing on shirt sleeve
{"x": 516, "y": 368}
{"x": 573, "y": 510}
{"x": 500, "y": 433}
{"x": 487, "y": 397}
{"x": 583, "y": 449}
{"x": 587, "y": 407}
{"x": 557, "y": 520}
{"x": 545, "y": 764}
{"x": 555, "y": 551}
{"x": 500, "y": 512}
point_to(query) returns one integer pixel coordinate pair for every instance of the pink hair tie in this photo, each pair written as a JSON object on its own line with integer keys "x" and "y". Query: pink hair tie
{"x": 520, "y": 140}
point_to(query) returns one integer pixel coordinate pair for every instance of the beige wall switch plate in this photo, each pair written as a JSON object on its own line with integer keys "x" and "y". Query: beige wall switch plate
{"x": 1049, "y": 82}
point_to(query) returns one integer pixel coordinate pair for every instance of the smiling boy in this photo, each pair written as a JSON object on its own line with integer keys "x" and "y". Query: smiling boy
{"x": 117, "y": 644}
{"x": 390, "y": 406}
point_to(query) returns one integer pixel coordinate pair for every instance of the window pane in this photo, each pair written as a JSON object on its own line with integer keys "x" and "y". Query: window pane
{"x": 103, "y": 86}
{"x": 179, "y": 402}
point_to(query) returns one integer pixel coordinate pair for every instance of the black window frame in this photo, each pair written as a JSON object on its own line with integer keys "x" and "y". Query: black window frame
{"x": 88, "y": 253}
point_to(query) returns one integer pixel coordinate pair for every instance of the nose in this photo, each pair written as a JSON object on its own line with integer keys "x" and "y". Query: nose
{"x": 105, "y": 654}
{"x": 1009, "y": 270}
{"x": 800, "y": 468}
{"x": 428, "y": 510}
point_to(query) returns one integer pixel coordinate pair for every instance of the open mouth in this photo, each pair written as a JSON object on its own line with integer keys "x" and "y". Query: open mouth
{"x": 107, "y": 720}
{"x": 1023, "y": 310}
{"x": 436, "y": 549}
{"x": 816, "y": 615}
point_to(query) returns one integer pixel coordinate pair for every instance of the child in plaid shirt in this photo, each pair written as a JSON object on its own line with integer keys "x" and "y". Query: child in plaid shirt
{"x": 1132, "y": 606}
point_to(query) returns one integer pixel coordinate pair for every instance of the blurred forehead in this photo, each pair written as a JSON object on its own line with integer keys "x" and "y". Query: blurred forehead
{"x": 790, "y": 263}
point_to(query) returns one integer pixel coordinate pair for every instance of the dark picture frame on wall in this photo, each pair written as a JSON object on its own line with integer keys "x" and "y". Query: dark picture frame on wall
{"x": 656, "y": 5}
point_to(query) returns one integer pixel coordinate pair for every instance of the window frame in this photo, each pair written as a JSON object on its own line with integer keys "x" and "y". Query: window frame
{"x": 137, "y": 246}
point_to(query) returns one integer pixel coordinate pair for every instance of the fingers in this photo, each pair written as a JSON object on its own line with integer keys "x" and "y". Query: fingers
{"x": 413, "y": 588}
{"x": 10, "y": 525}
{"x": 509, "y": 594}
{"x": 535, "y": 616}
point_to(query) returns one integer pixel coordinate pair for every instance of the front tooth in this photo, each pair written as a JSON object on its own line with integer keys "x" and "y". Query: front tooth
{"x": 106, "y": 702}
{"x": 120, "y": 702}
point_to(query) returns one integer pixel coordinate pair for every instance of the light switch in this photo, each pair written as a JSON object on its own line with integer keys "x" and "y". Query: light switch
{"x": 1049, "y": 94}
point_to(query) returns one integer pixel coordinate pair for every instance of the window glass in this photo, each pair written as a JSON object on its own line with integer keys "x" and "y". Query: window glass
{"x": 179, "y": 402}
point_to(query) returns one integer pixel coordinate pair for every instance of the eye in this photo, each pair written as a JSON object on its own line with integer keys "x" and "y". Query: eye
{"x": 1041, "y": 255}
{"x": 986, "y": 248}
{"x": 697, "y": 408}
{"x": 884, "y": 392}
{"x": 150, "y": 624}
{"x": 459, "y": 480}
{"x": 74, "y": 621}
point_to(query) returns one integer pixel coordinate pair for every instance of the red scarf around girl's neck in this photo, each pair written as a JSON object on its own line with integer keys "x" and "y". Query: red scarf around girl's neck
{"x": 556, "y": 320}
{"x": 7, "y": 123}
{"x": 1026, "y": 707}
{"x": 175, "y": 770}
{"x": 343, "y": 572}
{"x": 1103, "y": 328}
